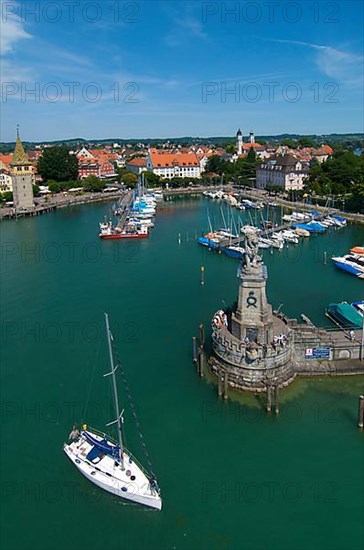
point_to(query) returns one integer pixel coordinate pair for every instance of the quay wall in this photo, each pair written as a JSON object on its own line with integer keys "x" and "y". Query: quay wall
{"x": 59, "y": 202}
{"x": 281, "y": 366}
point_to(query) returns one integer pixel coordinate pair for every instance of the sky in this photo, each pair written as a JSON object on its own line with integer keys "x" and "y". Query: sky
{"x": 146, "y": 69}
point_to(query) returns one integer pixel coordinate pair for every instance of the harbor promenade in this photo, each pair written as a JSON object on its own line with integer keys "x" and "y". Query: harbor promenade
{"x": 44, "y": 206}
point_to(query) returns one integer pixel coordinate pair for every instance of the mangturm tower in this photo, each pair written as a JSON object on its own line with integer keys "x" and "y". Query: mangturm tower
{"x": 22, "y": 173}
{"x": 252, "y": 346}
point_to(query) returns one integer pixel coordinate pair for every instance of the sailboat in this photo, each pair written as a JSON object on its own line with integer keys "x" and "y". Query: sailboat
{"x": 106, "y": 462}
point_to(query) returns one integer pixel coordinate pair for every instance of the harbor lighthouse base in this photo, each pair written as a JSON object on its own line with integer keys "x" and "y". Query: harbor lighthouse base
{"x": 255, "y": 349}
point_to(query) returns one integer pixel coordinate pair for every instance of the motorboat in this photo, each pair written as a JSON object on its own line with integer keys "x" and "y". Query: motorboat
{"x": 345, "y": 315}
{"x": 302, "y": 232}
{"x": 351, "y": 263}
{"x": 236, "y": 252}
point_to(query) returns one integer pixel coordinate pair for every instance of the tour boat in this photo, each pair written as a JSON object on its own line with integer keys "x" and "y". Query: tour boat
{"x": 352, "y": 263}
{"x": 106, "y": 462}
{"x": 130, "y": 231}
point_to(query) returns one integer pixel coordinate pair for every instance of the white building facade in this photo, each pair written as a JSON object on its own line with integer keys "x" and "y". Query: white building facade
{"x": 173, "y": 165}
{"x": 282, "y": 171}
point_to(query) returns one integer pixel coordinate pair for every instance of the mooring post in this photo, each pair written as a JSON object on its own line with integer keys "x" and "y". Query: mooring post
{"x": 226, "y": 385}
{"x": 325, "y": 257}
{"x": 202, "y": 335}
{"x": 361, "y": 412}
{"x": 219, "y": 383}
{"x": 276, "y": 399}
{"x": 194, "y": 347}
{"x": 202, "y": 275}
{"x": 201, "y": 372}
{"x": 269, "y": 398}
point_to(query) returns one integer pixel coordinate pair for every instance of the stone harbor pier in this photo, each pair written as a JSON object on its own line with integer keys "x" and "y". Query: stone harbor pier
{"x": 256, "y": 349}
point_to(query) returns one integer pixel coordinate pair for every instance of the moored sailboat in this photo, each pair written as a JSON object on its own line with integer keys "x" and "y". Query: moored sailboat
{"x": 107, "y": 463}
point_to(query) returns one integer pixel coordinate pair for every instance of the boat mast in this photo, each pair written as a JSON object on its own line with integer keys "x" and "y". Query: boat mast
{"x": 116, "y": 399}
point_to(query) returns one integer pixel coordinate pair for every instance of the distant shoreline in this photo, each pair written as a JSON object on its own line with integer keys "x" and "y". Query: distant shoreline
{"x": 63, "y": 202}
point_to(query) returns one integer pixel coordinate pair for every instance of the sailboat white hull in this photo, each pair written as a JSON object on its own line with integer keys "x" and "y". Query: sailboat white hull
{"x": 130, "y": 484}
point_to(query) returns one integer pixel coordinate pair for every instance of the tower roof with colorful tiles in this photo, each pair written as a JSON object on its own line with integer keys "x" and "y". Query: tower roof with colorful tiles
{"x": 19, "y": 157}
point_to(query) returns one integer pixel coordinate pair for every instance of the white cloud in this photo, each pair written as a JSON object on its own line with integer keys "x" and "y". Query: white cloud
{"x": 334, "y": 63}
{"x": 12, "y": 30}
{"x": 185, "y": 26}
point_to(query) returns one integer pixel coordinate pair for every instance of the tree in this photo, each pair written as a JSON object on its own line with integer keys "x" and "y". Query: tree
{"x": 231, "y": 148}
{"x": 292, "y": 144}
{"x": 215, "y": 164}
{"x": 356, "y": 201}
{"x": 130, "y": 179}
{"x": 153, "y": 180}
{"x": 93, "y": 184}
{"x": 54, "y": 186}
{"x": 7, "y": 196}
{"x": 57, "y": 164}
{"x": 306, "y": 141}
{"x": 36, "y": 190}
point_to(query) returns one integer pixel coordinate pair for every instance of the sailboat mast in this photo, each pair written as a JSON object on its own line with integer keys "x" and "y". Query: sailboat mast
{"x": 116, "y": 398}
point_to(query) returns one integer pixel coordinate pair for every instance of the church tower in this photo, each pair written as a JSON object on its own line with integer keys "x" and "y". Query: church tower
{"x": 239, "y": 142}
{"x": 22, "y": 174}
{"x": 251, "y": 138}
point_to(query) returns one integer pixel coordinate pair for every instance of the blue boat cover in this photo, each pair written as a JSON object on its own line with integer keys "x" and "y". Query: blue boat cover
{"x": 103, "y": 446}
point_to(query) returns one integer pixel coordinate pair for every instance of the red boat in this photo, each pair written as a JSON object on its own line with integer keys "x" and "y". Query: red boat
{"x": 131, "y": 231}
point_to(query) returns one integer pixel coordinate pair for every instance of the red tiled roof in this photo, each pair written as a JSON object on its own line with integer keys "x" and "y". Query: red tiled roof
{"x": 6, "y": 158}
{"x": 138, "y": 161}
{"x": 161, "y": 159}
{"x": 247, "y": 146}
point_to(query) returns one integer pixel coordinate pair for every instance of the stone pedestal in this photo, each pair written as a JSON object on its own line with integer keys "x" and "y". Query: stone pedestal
{"x": 253, "y": 318}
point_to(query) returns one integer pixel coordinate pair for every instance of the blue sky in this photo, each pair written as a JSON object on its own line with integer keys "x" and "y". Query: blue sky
{"x": 157, "y": 69}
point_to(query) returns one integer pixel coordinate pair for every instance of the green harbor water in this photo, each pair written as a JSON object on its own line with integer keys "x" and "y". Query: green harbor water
{"x": 231, "y": 476}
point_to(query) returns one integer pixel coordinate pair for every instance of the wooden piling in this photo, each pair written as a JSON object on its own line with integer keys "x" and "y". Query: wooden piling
{"x": 219, "y": 383}
{"x": 226, "y": 385}
{"x": 201, "y": 358}
{"x": 194, "y": 348}
{"x": 202, "y": 335}
{"x": 202, "y": 275}
{"x": 361, "y": 412}
{"x": 269, "y": 399}
{"x": 276, "y": 399}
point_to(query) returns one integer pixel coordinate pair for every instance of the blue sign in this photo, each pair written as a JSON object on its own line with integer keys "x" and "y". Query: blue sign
{"x": 318, "y": 353}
